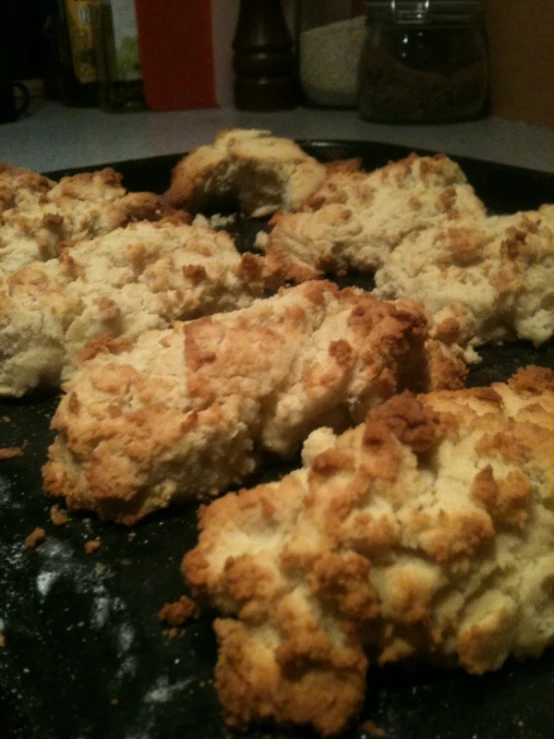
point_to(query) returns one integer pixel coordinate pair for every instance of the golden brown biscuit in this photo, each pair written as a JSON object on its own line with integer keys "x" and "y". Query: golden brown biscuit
{"x": 261, "y": 172}
{"x": 19, "y": 187}
{"x": 119, "y": 285}
{"x": 97, "y": 186}
{"x": 355, "y": 220}
{"x": 487, "y": 280}
{"x": 185, "y": 413}
{"x": 427, "y": 531}
{"x": 79, "y": 207}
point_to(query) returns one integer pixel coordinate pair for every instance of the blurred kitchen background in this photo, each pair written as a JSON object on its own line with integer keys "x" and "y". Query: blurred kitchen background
{"x": 84, "y": 82}
{"x": 180, "y": 55}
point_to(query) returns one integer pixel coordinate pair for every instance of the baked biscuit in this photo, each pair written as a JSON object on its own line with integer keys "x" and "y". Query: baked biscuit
{"x": 260, "y": 172}
{"x": 490, "y": 280}
{"x": 131, "y": 280}
{"x": 426, "y": 532}
{"x": 76, "y": 208}
{"x": 20, "y": 186}
{"x": 186, "y": 412}
{"x": 93, "y": 187}
{"x": 356, "y": 219}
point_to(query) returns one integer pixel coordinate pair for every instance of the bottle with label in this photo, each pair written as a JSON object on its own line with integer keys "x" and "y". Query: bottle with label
{"x": 75, "y": 51}
{"x": 118, "y": 57}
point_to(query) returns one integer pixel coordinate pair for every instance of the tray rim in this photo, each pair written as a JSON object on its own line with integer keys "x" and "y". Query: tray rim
{"x": 322, "y": 144}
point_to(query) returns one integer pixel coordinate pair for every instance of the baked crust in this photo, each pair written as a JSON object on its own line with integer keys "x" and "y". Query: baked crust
{"x": 41, "y": 214}
{"x": 425, "y": 532}
{"x": 356, "y": 219}
{"x": 115, "y": 286}
{"x": 483, "y": 281}
{"x": 185, "y": 413}
{"x": 19, "y": 187}
{"x": 260, "y": 172}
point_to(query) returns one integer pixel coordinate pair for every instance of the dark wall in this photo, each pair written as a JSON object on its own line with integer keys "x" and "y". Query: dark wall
{"x": 22, "y": 36}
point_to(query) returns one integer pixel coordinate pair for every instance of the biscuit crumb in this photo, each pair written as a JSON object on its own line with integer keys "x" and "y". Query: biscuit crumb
{"x": 92, "y": 545}
{"x": 178, "y": 613}
{"x": 8, "y": 452}
{"x": 58, "y": 515}
{"x": 7, "y": 419}
{"x": 35, "y": 538}
{"x": 131, "y": 535}
{"x": 373, "y": 729}
{"x": 114, "y": 702}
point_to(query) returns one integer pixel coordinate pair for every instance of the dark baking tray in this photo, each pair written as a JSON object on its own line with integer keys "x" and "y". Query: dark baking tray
{"x": 85, "y": 655}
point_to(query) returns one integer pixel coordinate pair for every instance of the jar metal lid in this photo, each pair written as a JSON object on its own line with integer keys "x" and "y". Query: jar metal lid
{"x": 421, "y": 11}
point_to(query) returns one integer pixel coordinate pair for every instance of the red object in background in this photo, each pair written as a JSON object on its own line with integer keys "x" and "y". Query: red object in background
{"x": 176, "y": 48}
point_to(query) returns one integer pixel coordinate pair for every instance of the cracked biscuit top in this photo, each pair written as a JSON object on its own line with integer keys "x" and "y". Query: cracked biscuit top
{"x": 259, "y": 172}
{"x": 186, "y": 412}
{"x": 115, "y": 286}
{"x": 486, "y": 280}
{"x": 356, "y": 219}
{"x": 427, "y": 532}
{"x": 19, "y": 187}
{"x": 41, "y": 215}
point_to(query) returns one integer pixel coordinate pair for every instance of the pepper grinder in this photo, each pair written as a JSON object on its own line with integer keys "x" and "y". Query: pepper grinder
{"x": 263, "y": 61}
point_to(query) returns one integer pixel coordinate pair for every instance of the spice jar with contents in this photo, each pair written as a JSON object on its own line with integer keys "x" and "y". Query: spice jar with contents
{"x": 423, "y": 61}
{"x": 329, "y": 40}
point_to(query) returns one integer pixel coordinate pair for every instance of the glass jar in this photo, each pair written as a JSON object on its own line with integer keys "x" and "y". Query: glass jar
{"x": 330, "y": 35}
{"x": 423, "y": 61}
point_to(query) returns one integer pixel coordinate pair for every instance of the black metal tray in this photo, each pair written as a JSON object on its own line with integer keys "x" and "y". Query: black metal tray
{"x": 85, "y": 655}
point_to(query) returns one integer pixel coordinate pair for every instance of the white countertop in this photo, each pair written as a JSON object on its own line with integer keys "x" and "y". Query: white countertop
{"x": 52, "y": 136}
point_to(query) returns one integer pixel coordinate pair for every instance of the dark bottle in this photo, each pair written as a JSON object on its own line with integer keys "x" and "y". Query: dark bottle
{"x": 264, "y": 62}
{"x": 117, "y": 57}
{"x": 50, "y": 53}
{"x": 76, "y": 60}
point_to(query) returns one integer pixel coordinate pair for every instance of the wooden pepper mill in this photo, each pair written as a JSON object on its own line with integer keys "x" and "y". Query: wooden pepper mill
{"x": 264, "y": 64}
